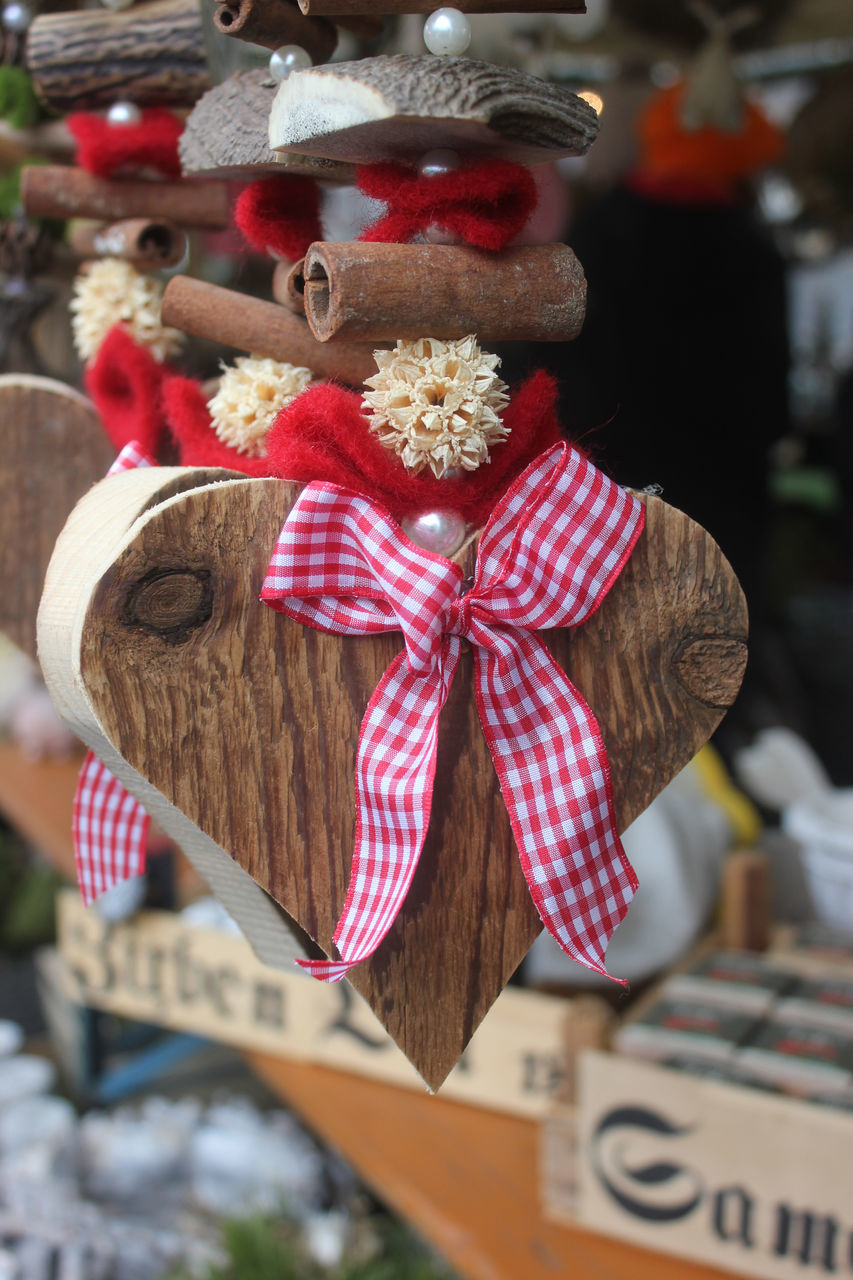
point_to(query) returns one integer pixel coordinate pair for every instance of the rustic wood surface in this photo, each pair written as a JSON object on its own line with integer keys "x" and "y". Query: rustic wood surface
{"x": 227, "y": 134}
{"x": 147, "y": 243}
{"x": 82, "y": 546}
{"x": 362, "y": 291}
{"x": 251, "y": 728}
{"x": 468, "y": 1180}
{"x": 398, "y": 107}
{"x": 152, "y": 54}
{"x": 60, "y": 191}
{"x": 261, "y": 328}
{"x": 273, "y": 23}
{"x": 54, "y": 449}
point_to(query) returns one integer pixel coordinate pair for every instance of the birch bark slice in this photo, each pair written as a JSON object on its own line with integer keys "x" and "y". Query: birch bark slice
{"x": 226, "y": 135}
{"x": 248, "y": 723}
{"x": 398, "y": 108}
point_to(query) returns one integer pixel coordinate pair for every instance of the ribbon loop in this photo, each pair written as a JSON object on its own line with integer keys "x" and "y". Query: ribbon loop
{"x": 554, "y": 544}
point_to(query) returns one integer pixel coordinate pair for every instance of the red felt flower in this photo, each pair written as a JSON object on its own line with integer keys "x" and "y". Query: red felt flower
{"x": 324, "y": 435}
{"x": 198, "y": 445}
{"x": 280, "y": 215}
{"x": 106, "y": 149}
{"x": 485, "y": 206}
{"x": 124, "y": 382}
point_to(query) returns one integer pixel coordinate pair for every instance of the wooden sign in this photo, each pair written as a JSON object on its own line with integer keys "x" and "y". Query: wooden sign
{"x": 728, "y": 1176}
{"x": 54, "y": 449}
{"x": 245, "y": 724}
{"x": 158, "y": 969}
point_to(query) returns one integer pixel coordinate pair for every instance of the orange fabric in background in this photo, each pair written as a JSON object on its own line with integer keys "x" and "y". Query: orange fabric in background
{"x": 669, "y": 150}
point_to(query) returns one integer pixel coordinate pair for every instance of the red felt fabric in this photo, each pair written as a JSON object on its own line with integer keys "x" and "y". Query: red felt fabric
{"x": 280, "y": 215}
{"x": 324, "y": 435}
{"x": 124, "y": 382}
{"x": 485, "y": 206}
{"x": 106, "y": 149}
{"x": 198, "y": 445}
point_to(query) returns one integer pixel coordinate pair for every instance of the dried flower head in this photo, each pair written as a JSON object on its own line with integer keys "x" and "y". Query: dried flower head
{"x": 249, "y": 397}
{"x": 437, "y": 403}
{"x": 110, "y": 292}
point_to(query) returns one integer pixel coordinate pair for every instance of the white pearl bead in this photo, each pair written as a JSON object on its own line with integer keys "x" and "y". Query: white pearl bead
{"x": 434, "y": 234}
{"x": 437, "y": 162}
{"x": 16, "y": 16}
{"x": 124, "y": 113}
{"x": 447, "y": 31}
{"x": 442, "y": 532}
{"x": 290, "y": 57}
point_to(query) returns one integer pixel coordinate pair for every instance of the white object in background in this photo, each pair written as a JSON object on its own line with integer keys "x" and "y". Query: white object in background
{"x": 209, "y": 913}
{"x": 677, "y": 848}
{"x": 823, "y": 827}
{"x": 780, "y": 769}
{"x": 783, "y": 772}
{"x": 123, "y": 900}
{"x": 11, "y": 1037}
{"x": 23, "y": 1075}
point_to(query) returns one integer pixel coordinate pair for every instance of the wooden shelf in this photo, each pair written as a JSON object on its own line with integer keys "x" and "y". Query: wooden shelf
{"x": 36, "y": 798}
{"x": 465, "y": 1178}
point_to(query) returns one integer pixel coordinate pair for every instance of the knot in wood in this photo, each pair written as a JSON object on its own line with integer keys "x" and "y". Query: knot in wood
{"x": 170, "y": 602}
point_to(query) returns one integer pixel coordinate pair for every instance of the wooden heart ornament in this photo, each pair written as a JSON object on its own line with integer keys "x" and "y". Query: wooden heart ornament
{"x": 53, "y": 449}
{"x": 247, "y": 723}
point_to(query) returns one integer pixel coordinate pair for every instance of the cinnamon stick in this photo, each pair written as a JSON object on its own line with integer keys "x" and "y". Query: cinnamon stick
{"x": 261, "y": 328}
{"x": 273, "y": 23}
{"x": 340, "y": 9}
{"x": 363, "y": 291}
{"x": 57, "y": 191}
{"x": 288, "y": 286}
{"x": 152, "y": 54}
{"x": 144, "y": 242}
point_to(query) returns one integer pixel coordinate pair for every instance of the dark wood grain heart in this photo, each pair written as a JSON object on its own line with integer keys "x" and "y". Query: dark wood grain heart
{"x": 248, "y": 723}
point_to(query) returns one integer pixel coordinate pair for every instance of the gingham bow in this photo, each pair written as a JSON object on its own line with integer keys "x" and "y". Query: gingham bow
{"x": 552, "y": 548}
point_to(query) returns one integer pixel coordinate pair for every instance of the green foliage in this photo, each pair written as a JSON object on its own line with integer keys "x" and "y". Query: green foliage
{"x": 18, "y": 103}
{"x": 270, "y": 1249}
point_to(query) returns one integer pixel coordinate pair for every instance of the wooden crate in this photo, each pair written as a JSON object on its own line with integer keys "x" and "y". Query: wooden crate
{"x": 158, "y": 969}
{"x": 747, "y": 1181}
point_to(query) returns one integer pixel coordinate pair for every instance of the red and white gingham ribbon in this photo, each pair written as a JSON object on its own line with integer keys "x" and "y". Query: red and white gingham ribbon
{"x": 552, "y": 548}
{"x": 110, "y": 826}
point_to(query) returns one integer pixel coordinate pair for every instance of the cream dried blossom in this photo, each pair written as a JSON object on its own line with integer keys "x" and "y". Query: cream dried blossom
{"x": 250, "y": 395}
{"x": 110, "y": 292}
{"x": 437, "y": 404}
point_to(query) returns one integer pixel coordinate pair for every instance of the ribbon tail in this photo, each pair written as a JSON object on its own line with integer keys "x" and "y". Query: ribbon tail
{"x": 110, "y": 831}
{"x": 555, "y": 778}
{"x": 394, "y": 780}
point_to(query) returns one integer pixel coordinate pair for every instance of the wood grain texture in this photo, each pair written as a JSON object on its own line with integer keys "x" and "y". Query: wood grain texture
{"x": 226, "y": 134}
{"x": 96, "y": 525}
{"x": 398, "y": 107}
{"x": 261, "y": 328}
{"x": 54, "y": 449}
{"x": 251, "y": 726}
{"x": 273, "y": 23}
{"x": 379, "y": 292}
{"x": 60, "y": 191}
{"x": 152, "y": 54}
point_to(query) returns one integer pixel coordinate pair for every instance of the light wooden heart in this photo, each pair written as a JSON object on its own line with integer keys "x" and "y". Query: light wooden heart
{"x": 53, "y": 449}
{"x": 248, "y": 722}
